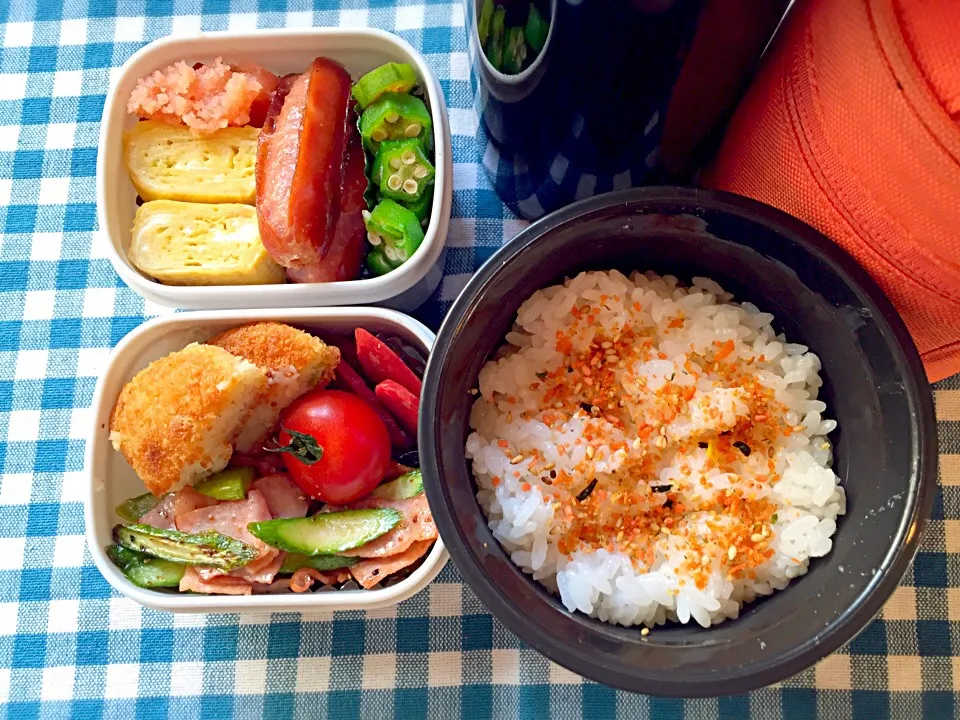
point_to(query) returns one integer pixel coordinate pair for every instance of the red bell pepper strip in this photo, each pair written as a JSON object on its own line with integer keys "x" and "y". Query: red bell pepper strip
{"x": 401, "y": 403}
{"x": 380, "y": 363}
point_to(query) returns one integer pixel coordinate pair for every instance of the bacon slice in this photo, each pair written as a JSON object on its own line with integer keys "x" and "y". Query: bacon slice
{"x": 231, "y": 519}
{"x": 261, "y": 570}
{"x": 174, "y": 505}
{"x": 277, "y": 586}
{"x": 304, "y": 578}
{"x": 417, "y": 525}
{"x": 370, "y": 572}
{"x": 218, "y": 585}
{"x": 284, "y": 499}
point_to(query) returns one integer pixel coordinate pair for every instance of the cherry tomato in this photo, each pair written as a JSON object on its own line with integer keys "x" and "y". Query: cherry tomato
{"x": 335, "y": 446}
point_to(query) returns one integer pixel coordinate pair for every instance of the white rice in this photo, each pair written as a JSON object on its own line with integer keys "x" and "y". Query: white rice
{"x": 522, "y": 442}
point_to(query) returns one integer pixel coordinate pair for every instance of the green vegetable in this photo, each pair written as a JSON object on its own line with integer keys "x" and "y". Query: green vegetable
{"x": 121, "y": 556}
{"x": 494, "y": 48}
{"x": 515, "y": 52}
{"x": 145, "y": 571}
{"x": 326, "y": 533}
{"x": 406, "y": 486}
{"x": 498, "y": 28}
{"x": 483, "y": 22}
{"x": 494, "y": 53}
{"x": 227, "y": 485}
{"x": 392, "y": 77}
{"x": 377, "y": 264}
{"x": 536, "y": 30}
{"x": 395, "y": 116}
{"x": 422, "y": 207}
{"x": 395, "y": 234}
{"x": 294, "y": 561}
{"x": 207, "y": 548}
{"x": 402, "y": 170}
{"x": 132, "y": 509}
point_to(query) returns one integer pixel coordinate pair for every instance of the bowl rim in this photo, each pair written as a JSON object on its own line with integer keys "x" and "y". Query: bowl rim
{"x": 369, "y": 290}
{"x": 95, "y": 476}
{"x": 923, "y": 449}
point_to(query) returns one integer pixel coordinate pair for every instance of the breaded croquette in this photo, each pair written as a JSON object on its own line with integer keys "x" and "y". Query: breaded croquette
{"x": 175, "y": 422}
{"x": 294, "y": 362}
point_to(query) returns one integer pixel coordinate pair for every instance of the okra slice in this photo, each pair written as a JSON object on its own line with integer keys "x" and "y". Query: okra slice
{"x": 421, "y": 208}
{"x": 395, "y": 234}
{"x": 494, "y": 48}
{"x": 515, "y": 52}
{"x": 494, "y": 53}
{"x": 402, "y": 170}
{"x": 392, "y": 77}
{"x": 377, "y": 263}
{"x": 396, "y": 116}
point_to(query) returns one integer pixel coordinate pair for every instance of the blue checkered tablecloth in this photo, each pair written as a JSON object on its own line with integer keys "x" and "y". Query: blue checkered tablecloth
{"x": 72, "y": 648}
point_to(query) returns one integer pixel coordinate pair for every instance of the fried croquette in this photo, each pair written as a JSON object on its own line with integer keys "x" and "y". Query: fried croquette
{"x": 294, "y": 362}
{"x": 175, "y": 422}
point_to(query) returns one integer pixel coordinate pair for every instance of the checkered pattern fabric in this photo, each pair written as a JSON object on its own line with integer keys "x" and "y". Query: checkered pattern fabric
{"x": 71, "y": 648}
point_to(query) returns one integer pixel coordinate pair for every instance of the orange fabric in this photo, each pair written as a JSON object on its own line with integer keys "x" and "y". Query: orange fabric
{"x": 852, "y": 125}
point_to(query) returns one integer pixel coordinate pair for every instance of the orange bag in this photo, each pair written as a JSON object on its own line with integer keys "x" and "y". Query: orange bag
{"x": 853, "y": 125}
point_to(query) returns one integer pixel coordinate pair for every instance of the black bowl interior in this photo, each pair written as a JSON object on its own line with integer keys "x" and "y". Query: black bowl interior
{"x": 874, "y": 387}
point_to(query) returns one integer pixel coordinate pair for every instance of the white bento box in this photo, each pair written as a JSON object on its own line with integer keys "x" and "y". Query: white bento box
{"x": 280, "y": 51}
{"x": 110, "y": 480}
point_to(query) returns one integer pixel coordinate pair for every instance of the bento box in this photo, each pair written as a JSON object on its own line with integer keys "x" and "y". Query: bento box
{"x": 281, "y": 52}
{"x": 110, "y": 479}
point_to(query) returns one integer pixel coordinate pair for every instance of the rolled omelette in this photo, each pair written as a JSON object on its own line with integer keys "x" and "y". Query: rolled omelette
{"x": 169, "y": 162}
{"x": 183, "y": 243}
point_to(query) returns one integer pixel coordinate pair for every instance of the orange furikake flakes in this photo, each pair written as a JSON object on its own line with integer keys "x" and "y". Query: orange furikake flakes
{"x": 724, "y": 350}
{"x": 619, "y": 511}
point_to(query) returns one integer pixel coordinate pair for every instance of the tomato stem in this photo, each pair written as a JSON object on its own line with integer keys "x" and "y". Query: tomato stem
{"x": 302, "y": 446}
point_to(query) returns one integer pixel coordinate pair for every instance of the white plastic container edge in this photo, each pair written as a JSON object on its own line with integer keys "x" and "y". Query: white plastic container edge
{"x": 280, "y": 51}
{"x": 110, "y": 480}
